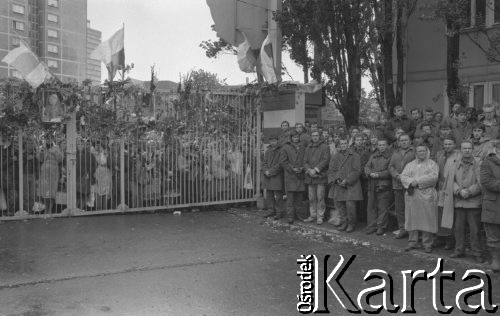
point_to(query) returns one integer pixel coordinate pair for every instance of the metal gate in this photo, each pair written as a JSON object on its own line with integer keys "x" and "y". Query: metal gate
{"x": 211, "y": 155}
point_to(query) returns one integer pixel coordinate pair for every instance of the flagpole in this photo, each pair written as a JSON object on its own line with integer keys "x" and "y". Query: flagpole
{"x": 123, "y": 70}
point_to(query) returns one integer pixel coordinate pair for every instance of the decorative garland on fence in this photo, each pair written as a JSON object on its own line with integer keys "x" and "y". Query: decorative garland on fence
{"x": 20, "y": 110}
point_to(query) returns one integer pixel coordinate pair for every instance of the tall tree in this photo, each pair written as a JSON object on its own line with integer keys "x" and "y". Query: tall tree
{"x": 455, "y": 14}
{"x": 390, "y": 21}
{"x": 337, "y": 30}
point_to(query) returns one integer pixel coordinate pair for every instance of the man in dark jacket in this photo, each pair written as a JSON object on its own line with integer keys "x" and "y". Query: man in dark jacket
{"x": 428, "y": 118}
{"x": 292, "y": 162}
{"x": 344, "y": 174}
{"x": 272, "y": 179}
{"x": 490, "y": 215}
{"x": 284, "y": 135}
{"x": 398, "y": 162}
{"x": 399, "y": 120}
{"x": 463, "y": 128}
{"x": 303, "y": 135}
{"x": 380, "y": 197}
{"x": 316, "y": 159}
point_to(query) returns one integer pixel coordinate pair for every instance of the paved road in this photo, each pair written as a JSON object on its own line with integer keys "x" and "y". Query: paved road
{"x": 212, "y": 263}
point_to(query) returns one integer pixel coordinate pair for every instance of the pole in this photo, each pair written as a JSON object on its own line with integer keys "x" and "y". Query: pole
{"x": 71, "y": 164}
{"x": 275, "y": 35}
{"x": 20, "y": 159}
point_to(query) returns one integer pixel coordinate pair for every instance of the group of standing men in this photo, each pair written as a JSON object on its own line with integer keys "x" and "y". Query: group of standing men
{"x": 436, "y": 175}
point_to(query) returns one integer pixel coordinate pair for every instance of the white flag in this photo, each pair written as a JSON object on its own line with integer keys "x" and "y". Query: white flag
{"x": 246, "y": 57}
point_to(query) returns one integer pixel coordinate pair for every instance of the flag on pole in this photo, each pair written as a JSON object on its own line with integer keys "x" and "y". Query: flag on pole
{"x": 112, "y": 53}
{"x": 246, "y": 57}
{"x": 27, "y": 63}
{"x": 266, "y": 62}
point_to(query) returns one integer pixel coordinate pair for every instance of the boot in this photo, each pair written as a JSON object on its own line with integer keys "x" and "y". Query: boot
{"x": 350, "y": 228}
{"x": 278, "y": 215}
{"x": 270, "y": 213}
{"x": 342, "y": 227}
{"x": 495, "y": 261}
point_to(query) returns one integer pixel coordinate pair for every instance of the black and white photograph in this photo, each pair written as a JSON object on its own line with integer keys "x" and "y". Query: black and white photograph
{"x": 249, "y": 157}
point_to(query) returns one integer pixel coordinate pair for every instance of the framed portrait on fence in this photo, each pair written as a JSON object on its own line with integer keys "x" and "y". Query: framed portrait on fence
{"x": 53, "y": 107}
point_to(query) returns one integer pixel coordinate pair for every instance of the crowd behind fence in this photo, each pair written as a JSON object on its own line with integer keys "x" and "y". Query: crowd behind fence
{"x": 212, "y": 159}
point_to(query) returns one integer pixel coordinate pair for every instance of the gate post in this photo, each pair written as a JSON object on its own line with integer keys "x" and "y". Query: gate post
{"x": 122, "y": 207}
{"x": 258, "y": 196}
{"x": 20, "y": 158}
{"x": 71, "y": 165}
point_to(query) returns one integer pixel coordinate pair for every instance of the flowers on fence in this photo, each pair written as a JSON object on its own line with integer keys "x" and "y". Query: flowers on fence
{"x": 115, "y": 110}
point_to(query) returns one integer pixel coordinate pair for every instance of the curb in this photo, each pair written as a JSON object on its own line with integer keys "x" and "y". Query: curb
{"x": 327, "y": 233}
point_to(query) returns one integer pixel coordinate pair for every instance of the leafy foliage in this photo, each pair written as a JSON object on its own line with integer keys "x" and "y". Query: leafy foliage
{"x": 214, "y": 48}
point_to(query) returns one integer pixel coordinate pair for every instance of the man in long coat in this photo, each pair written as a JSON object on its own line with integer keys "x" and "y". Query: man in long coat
{"x": 462, "y": 202}
{"x": 344, "y": 174}
{"x": 398, "y": 162}
{"x": 292, "y": 160}
{"x": 272, "y": 179}
{"x": 419, "y": 178}
{"x": 316, "y": 159}
{"x": 490, "y": 215}
{"x": 446, "y": 160}
{"x": 380, "y": 196}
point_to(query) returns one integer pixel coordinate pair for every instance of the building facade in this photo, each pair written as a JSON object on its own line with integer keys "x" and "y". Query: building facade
{"x": 425, "y": 62}
{"x": 93, "y": 65}
{"x": 55, "y": 30}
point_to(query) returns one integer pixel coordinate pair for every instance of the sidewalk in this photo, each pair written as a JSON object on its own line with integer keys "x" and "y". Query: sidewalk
{"x": 327, "y": 232}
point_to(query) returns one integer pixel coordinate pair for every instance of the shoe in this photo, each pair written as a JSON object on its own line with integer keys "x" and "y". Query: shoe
{"x": 349, "y": 229}
{"x": 319, "y": 221}
{"x": 402, "y": 234}
{"x": 342, "y": 227}
{"x": 309, "y": 219}
{"x": 380, "y": 231}
{"x": 277, "y": 216}
{"x": 437, "y": 244}
{"x": 495, "y": 261}
{"x": 479, "y": 259}
{"x": 371, "y": 230}
{"x": 409, "y": 248}
{"x": 457, "y": 255}
{"x": 270, "y": 214}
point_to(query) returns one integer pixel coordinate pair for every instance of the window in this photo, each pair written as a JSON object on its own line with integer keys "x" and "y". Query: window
{"x": 482, "y": 93}
{"x": 18, "y": 25}
{"x": 483, "y": 13}
{"x": 53, "y": 63}
{"x": 496, "y": 11}
{"x": 17, "y": 8}
{"x": 52, "y": 18}
{"x": 480, "y": 13}
{"x": 478, "y": 92}
{"x": 52, "y": 33}
{"x": 53, "y": 3}
{"x": 52, "y": 49}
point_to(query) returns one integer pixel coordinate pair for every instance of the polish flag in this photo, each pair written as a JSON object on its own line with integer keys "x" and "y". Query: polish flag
{"x": 266, "y": 61}
{"x": 28, "y": 64}
{"x": 112, "y": 52}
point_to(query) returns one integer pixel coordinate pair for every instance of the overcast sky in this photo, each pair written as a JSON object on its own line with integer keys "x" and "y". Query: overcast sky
{"x": 167, "y": 33}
